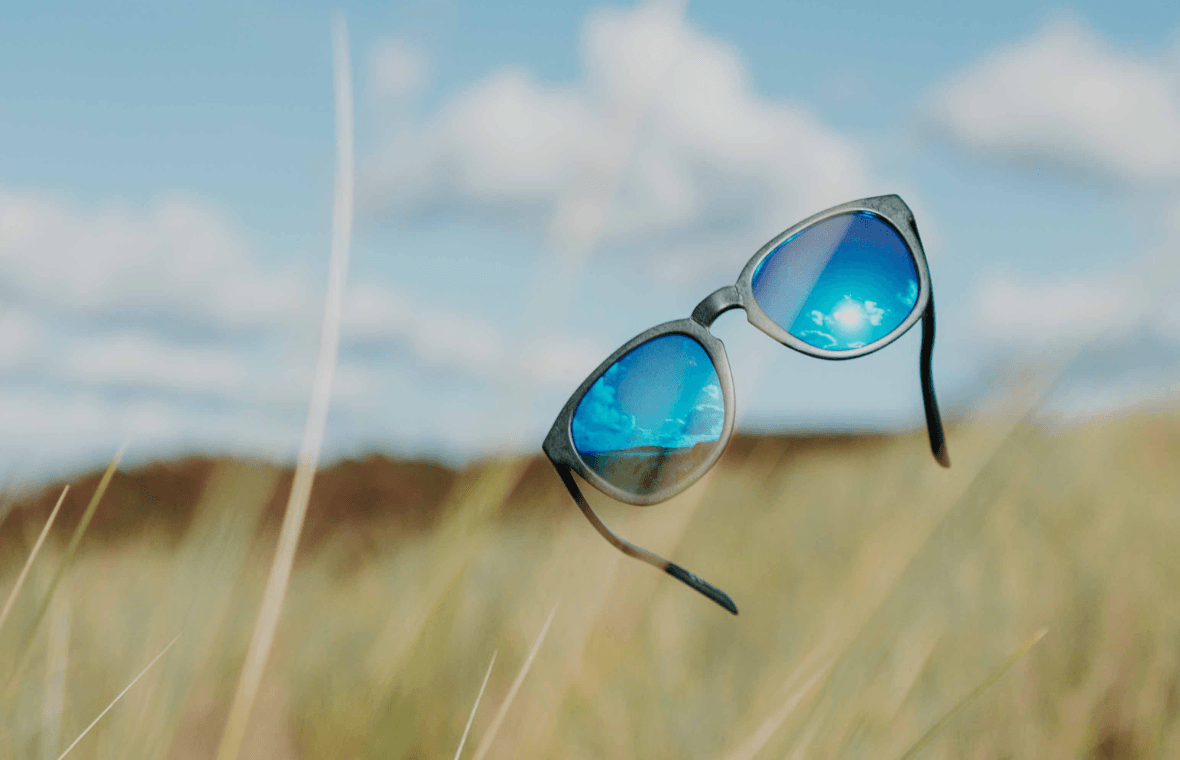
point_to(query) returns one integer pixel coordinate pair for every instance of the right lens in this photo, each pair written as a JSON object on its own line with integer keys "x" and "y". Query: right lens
{"x": 650, "y": 420}
{"x": 840, "y": 284}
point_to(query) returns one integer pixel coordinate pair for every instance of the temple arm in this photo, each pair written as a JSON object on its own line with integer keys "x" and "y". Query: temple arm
{"x": 630, "y": 549}
{"x": 933, "y": 419}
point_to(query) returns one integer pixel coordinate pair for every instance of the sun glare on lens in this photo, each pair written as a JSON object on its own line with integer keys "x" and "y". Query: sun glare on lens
{"x": 850, "y": 316}
{"x": 841, "y": 284}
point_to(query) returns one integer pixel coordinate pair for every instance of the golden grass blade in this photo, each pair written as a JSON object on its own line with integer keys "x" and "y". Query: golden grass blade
{"x": 56, "y": 661}
{"x": 207, "y": 567}
{"x": 1027, "y": 403}
{"x": 478, "y": 697}
{"x": 486, "y": 744}
{"x": 759, "y": 738}
{"x": 115, "y": 701}
{"x": 454, "y": 543}
{"x": 20, "y": 579}
{"x": 800, "y": 750}
{"x": 950, "y": 714}
{"x": 317, "y": 414}
{"x": 75, "y": 540}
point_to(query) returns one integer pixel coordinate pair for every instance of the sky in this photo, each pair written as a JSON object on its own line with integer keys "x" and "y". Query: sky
{"x": 537, "y": 183}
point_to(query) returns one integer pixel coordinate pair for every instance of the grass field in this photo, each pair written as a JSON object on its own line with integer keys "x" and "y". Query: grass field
{"x": 876, "y": 591}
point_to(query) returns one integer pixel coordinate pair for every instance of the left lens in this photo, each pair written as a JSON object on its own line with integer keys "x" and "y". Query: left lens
{"x": 840, "y": 284}
{"x": 653, "y": 417}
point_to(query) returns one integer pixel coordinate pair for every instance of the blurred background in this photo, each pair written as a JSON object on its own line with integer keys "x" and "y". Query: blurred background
{"x": 536, "y": 183}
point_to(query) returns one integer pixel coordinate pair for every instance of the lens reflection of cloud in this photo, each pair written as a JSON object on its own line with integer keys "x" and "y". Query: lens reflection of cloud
{"x": 674, "y": 373}
{"x": 910, "y": 297}
{"x": 807, "y": 334}
{"x": 875, "y": 313}
{"x": 849, "y": 319}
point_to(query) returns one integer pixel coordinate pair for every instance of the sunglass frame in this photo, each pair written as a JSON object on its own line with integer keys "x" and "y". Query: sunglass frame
{"x": 559, "y": 444}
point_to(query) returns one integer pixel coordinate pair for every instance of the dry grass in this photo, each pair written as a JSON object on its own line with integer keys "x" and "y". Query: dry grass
{"x": 876, "y": 591}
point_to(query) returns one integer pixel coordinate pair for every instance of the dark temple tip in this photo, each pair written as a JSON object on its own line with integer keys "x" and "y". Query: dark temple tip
{"x": 943, "y": 456}
{"x": 706, "y": 588}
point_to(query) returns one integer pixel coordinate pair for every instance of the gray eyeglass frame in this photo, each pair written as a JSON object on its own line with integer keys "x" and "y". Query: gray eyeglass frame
{"x": 559, "y": 445}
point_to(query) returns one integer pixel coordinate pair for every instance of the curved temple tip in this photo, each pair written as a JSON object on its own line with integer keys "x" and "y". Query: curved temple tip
{"x": 706, "y": 588}
{"x": 943, "y": 456}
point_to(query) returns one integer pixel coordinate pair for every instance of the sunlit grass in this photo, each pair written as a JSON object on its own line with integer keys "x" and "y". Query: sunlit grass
{"x": 877, "y": 590}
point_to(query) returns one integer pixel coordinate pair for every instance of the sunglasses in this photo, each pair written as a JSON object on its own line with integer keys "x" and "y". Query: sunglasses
{"x": 656, "y": 415}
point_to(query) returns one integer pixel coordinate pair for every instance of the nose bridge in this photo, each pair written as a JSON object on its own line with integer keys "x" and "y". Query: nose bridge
{"x": 717, "y": 303}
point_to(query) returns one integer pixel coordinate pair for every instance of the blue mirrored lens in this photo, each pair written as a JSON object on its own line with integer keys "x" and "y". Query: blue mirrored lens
{"x": 652, "y": 417}
{"x": 840, "y": 284}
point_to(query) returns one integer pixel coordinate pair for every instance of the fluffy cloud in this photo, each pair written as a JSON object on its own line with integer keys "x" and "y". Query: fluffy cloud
{"x": 55, "y": 432}
{"x": 1040, "y": 316}
{"x": 20, "y": 337}
{"x": 138, "y": 359}
{"x": 399, "y": 69}
{"x": 161, "y": 321}
{"x": 1120, "y": 332}
{"x": 1066, "y": 96}
{"x": 663, "y": 135}
{"x": 377, "y": 315}
{"x": 178, "y": 258}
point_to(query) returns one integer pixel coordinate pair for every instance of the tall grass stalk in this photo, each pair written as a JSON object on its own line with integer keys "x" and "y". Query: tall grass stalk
{"x": 1025, "y": 404}
{"x": 950, "y": 714}
{"x": 754, "y": 744}
{"x": 24, "y": 573}
{"x": 490, "y": 736}
{"x": 474, "y": 707}
{"x": 280, "y": 574}
{"x": 119, "y": 696}
{"x": 473, "y": 500}
{"x": 27, "y": 646}
{"x": 56, "y": 661}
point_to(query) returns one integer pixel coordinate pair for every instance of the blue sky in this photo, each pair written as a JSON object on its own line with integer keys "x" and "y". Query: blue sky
{"x": 537, "y": 183}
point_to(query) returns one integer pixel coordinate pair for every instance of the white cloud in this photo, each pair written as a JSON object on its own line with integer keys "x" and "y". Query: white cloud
{"x": 670, "y": 107}
{"x": 399, "y": 69}
{"x": 1044, "y": 315}
{"x": 20, "y": 337}
{"x": 141, "y": 360}
{"x": 55, "y": 432}
{"x": 177, "y": 258}
{"x": 1084, "y": 401}
{"x": 377, "y": 314}
{"x": 1067, "y": 96}
{"x": 561, "y": 362}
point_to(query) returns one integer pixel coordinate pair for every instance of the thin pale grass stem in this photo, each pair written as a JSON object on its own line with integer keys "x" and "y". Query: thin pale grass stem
{"x": 759, "y": 738}
{"x": 56, "y": 662}
{"x": 115, "y": 701}
{"x": 913, "y": 680}
{"x": 1047, "y": 381}
{"x": 75, "y": 540}
{"x": 486, "y": 744}
{"x": 313, "y": 434}
{"x": 958, "y": 707}
{"x": 478, "y": 697}
{"x": 469, "y": 512}
{"x": 20, "y": 579}
{"x": 800, "y": 750}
